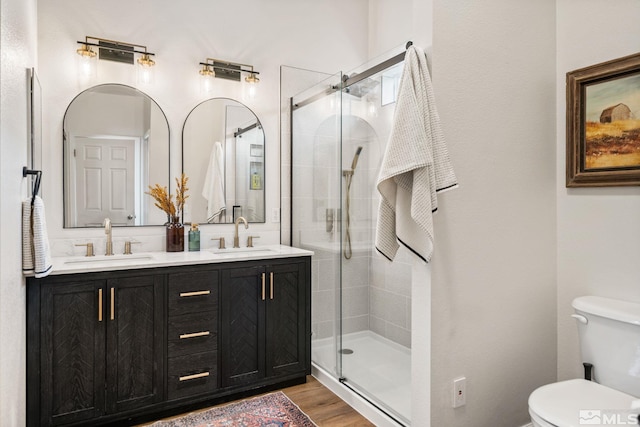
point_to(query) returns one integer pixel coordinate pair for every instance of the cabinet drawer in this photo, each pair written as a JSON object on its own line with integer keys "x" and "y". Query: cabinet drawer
{"x": 192, "y": 292}
{"x": 192, "y": 375}
{"x": 193, "y": 333}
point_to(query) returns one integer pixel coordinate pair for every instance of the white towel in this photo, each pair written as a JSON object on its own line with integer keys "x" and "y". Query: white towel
{"x": 213, "y": 189}
{"x": 27, "y": 238}
{"x": 36, "y": 254}
{"x": 415, "y": 166}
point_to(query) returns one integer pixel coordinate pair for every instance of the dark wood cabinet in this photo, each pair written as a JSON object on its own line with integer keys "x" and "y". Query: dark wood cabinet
{"x": 192, "y": 333}
{"x": 99, "y": 348}
{"x": 288, "y": 324}
{"x": 72, "y": 353}
{"x": 265, "y": 323}
{"x": 127, "y": 346}
{"x": 135, "y": 342}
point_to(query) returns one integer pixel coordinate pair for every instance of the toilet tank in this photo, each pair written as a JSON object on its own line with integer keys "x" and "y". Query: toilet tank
{"x": 609, "y": 332}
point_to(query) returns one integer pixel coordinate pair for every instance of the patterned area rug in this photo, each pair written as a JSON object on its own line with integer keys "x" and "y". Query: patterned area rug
{"x": 271, "y": 410}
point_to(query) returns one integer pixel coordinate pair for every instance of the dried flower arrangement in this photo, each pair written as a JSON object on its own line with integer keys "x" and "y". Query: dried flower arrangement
{"x": 164, "y": 200}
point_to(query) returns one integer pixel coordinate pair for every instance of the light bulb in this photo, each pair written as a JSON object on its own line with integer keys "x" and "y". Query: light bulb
{"x": 145, "y": 70}
{"x": 252, "y": 91}
{"x": 87, "y": 67}
{"x": 206, "y": 79}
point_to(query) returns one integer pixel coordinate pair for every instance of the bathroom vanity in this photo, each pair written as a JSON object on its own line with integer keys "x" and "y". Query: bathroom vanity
{"x": 124, "y": 340}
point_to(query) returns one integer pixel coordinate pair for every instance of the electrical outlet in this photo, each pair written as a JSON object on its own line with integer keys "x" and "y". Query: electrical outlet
{"x": 459, "y": 392}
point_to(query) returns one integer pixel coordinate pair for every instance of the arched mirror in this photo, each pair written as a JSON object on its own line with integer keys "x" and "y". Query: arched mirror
{"x": 223, "y": 156}
{"x": 116, "y": 144}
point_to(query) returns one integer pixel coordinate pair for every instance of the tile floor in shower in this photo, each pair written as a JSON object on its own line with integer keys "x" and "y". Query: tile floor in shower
{"x": 377, "y": 366}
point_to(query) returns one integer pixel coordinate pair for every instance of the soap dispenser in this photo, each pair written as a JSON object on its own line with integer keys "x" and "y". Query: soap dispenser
{"x": 194, "y": 238}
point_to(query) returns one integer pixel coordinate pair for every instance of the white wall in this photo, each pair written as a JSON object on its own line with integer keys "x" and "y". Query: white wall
{"x": 495, "y": 70}
{"x": 389, "y": 26}
{"x": 306, "y": 34}
{"x": 494, "y": 264}
{"x": 598, "y": 228}
{"x": 18, "y": 36}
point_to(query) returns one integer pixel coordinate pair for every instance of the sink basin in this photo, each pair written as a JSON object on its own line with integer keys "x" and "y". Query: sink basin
{"x": 243, "y": 252}
{"x": 119, "y": 259}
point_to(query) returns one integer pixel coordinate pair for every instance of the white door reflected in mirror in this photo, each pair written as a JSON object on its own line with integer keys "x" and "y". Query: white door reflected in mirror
{"x": 116, "y": 144}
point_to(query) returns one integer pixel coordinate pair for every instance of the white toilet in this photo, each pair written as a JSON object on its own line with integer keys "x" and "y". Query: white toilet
{"x": 609, "y": 333}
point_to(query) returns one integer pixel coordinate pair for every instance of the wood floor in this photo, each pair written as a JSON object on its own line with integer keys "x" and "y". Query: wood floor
{"x": 321, "y": 405}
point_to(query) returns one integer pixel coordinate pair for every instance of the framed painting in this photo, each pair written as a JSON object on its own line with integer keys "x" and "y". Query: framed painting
{"x": 603, "y": 124}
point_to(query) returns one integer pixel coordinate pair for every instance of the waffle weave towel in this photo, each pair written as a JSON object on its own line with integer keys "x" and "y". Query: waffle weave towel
{"x": 415, "y": 167}
{"x": 36, "y": 254}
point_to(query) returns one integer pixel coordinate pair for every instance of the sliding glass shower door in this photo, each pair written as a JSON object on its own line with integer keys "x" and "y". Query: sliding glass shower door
{"x": 316, "y": 128}
{"x": 361, "y": 303}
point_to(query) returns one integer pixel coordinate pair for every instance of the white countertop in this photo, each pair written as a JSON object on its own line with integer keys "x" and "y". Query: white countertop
{"x": 82, "y": 264}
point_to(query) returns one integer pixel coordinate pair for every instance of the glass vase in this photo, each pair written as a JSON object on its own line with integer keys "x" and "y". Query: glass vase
{"x": 175, "y": 235}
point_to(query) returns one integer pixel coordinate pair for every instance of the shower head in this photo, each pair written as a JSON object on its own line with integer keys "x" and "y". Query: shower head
{"x": 361, "y": 88}
{"x": 354, "y": 163}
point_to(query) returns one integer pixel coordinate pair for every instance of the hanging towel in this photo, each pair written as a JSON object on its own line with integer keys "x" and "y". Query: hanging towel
{"x": 415, "y": 166}
{"x": 27, "y": 239}
{"x": 36, "y": 254}
{"x": 213, "y": 189}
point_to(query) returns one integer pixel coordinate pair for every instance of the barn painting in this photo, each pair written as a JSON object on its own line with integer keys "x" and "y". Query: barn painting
{"x": 615, "y": 113}
{"x": 612, "y": 128}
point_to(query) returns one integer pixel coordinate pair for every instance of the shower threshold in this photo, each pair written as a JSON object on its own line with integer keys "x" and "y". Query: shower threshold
{"x": 378, "y": 369}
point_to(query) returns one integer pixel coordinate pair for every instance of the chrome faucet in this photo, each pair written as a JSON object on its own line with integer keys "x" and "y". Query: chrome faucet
{"x": 236, "y": 240}
{"x": 107, "y": 231}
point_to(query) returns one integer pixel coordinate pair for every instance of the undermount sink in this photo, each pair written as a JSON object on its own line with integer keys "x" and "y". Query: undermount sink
{"x": 243, "y": 252}
{"x": 109, "y": 259}
{"x": 83, "y": 264}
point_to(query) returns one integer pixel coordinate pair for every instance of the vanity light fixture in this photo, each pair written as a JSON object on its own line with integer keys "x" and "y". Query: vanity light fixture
{"x": 218, "y": 68}
{"x": 112, "y": 50}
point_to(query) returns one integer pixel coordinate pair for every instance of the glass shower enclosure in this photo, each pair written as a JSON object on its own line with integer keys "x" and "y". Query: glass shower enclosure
{"x": 361, "y": 302}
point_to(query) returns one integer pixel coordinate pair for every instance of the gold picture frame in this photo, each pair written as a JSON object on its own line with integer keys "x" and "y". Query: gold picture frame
{"x": 603, "y": 124}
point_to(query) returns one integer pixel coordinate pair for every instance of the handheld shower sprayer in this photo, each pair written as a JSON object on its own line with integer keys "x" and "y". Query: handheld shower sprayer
{"x": 348, "y": 175}
{"x": 354, "y": 163}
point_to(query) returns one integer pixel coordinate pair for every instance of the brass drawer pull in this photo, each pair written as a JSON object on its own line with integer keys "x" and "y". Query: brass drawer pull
{"x": 271, "y": 285}
{"x": 113, "y": 302}
{"x": 194, "y": 335}
{"x": 194, "y": 294}
{"x": 99, "y": 305}
{"x": 263, "y": 286}
{"x": 194, "y": 376}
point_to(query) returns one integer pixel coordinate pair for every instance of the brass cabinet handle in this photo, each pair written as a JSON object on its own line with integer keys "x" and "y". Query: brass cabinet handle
{"x": 263, "y": 286}
{"x": 194, "y": 376}
{"x": 194, "y": 294}
{"x": 99, "y": 305}
{"x": 194, "y": 335}
{"x": 271, "y": 285}
{"x": 113, "y": 303}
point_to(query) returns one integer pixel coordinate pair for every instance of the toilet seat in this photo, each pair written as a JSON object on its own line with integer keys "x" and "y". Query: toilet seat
{"x": 563, "y": 403}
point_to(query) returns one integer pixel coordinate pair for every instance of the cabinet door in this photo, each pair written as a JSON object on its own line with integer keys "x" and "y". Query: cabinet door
{"x": 72, "y": 334}
{"x": 242, "y": 333}
{"x": 286, "y": 319}
{"x": 134, "y": 355}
